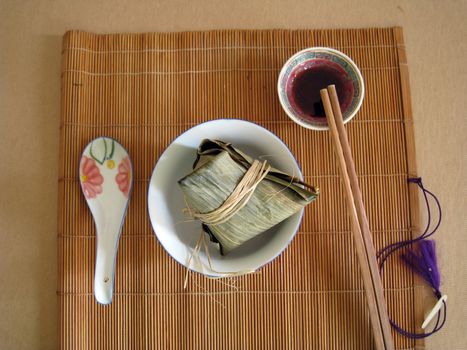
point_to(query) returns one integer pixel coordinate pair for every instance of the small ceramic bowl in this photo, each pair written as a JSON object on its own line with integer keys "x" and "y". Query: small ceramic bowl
{"x": 314, "y": 59}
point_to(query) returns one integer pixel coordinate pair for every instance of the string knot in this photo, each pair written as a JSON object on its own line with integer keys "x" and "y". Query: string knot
{"x": 415, "y": 180}
{"x": 239, "y": 196}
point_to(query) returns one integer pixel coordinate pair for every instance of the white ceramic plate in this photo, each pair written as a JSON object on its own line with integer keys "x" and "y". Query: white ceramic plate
{"x": 166, "y": 202}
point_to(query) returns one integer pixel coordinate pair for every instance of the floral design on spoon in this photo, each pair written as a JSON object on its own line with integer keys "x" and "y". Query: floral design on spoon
{"x": 123, "y": 177}
{"x": 91, "y": 178}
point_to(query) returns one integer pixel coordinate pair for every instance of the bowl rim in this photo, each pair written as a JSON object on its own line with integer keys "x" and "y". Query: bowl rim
{"x": 253, "y": 124}
{"x": 331, "y": 51}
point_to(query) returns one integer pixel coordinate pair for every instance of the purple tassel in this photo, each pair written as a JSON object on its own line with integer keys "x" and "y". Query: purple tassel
{"x": 422, "y": 260}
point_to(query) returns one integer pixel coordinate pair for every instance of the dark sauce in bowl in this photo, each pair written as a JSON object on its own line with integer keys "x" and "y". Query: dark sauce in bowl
{"x": 306, "y": 81}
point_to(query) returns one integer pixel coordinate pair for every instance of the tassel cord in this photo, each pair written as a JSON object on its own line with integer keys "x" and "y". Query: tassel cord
{"x": 386, "y": 252}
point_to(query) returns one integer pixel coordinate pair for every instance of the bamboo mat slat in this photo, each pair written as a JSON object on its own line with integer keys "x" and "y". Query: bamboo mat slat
{"x": 144, "y": 90}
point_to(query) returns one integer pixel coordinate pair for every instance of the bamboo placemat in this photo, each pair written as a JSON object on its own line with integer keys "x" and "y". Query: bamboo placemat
{"x": 144, "y": 90}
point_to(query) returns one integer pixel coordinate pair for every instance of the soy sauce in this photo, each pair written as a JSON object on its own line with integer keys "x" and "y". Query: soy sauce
{"x": 308, "y": 82}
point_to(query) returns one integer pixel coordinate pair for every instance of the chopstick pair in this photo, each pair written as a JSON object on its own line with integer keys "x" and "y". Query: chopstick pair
{"x": 364, "y": 246}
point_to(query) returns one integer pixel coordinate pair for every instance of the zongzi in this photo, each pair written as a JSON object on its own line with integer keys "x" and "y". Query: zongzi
{"x": 237, "y": 197}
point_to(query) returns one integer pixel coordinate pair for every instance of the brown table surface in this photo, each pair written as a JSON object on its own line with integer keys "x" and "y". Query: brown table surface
{"x": 30, "y": 58}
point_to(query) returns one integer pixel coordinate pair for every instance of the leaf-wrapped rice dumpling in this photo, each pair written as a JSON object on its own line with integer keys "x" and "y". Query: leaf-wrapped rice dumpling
{"x": 218, "y": 171}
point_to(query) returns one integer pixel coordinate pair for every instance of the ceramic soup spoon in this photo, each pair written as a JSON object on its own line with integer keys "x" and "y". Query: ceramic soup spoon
{"x": 105, "y": 174}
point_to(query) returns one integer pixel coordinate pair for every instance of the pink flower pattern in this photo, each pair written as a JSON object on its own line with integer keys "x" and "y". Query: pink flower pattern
{"x": 123, "y": 177}
{"x": 91, "y": 178}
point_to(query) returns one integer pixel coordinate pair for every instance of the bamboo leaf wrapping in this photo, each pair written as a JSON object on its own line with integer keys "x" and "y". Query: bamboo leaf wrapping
{"x": 218, "y": 169}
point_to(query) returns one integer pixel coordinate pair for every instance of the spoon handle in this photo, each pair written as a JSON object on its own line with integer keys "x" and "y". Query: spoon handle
{"x": 106, "y": 252}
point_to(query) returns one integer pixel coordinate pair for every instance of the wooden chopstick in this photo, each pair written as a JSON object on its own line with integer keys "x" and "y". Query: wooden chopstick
{"x": 362, "y": 218}
{"x": 381, "y": 342}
